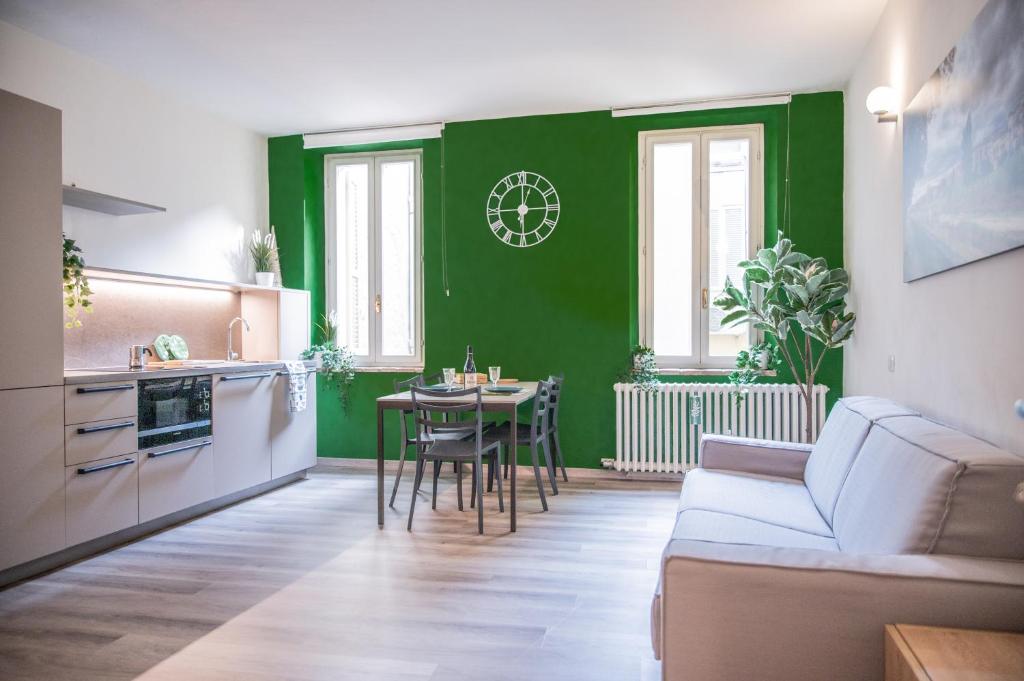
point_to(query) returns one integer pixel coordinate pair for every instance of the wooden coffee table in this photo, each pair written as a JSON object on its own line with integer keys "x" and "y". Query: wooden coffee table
{"x": 917, "y": 653}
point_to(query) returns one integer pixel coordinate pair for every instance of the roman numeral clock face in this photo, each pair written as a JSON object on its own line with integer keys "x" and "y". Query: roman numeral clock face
{"x": 522, "y": 209}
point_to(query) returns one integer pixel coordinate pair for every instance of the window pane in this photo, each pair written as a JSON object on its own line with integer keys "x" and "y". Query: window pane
{"x": 729, "y": 214}
{"x": 398, "y": 267}
{"x": 353, "y": 221}
{"x": 671, "y": 253}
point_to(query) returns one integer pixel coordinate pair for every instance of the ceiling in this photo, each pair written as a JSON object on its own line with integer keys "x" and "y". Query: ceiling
{"x": 310, "y": 65}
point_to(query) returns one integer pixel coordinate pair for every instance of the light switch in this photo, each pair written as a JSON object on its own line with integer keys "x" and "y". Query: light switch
{"x": 892, "y": 363}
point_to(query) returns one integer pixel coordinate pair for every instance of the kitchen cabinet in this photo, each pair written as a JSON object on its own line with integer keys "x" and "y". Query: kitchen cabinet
{"x": 293, "y": 436}
{"x": 242, "y": 408}
{"x": 31, "y": 474}
{"x": 175, "y": 477}
{"x": 100, "y": 401}
{"x": 30, "y": 259}
{"x": 280, "y": 323}
{"x": 102, "y": 497}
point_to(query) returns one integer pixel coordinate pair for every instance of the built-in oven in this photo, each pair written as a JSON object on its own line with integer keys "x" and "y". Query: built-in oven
{"x": 174, "y": 410}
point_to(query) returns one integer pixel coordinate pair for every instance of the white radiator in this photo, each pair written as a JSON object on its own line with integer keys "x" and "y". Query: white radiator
{"x": 656, "y": 432}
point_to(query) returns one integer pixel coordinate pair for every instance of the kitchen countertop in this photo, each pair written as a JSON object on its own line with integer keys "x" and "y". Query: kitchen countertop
{"x": 103, "y": 374}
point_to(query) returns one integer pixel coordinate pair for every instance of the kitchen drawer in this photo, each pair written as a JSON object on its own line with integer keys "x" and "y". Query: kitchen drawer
{"x": 100, "y": 401}
{"x": 100, "y": 440}
{"x": 174, "y": 477}
{"x": 102, "y": 497}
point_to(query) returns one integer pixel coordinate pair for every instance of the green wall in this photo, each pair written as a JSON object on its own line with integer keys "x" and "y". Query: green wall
{"x": 568, "y": 304}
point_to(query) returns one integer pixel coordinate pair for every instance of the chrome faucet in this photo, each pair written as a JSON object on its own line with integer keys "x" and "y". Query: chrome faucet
{"x": 232, "y": 355}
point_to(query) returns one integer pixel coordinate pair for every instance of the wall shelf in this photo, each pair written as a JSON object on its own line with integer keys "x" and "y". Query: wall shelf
{"x": 105, "y": 203}
{"x": 171, "y": 280}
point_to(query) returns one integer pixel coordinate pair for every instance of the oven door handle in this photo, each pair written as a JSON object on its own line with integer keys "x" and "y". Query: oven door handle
{"x": 247, "y": 376}
{"x": 176, "y": 450}
{"x": 108, "y": 426}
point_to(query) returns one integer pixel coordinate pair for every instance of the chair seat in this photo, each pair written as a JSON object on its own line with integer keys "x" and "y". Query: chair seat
{"x": 502, "y": 431}
{"x": 458, "y": 450}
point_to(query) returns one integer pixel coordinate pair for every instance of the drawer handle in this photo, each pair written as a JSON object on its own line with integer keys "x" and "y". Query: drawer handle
{"x": 247, "y": 376}
{"x": 106, "y": 466}
{"x": 105, "y": 388}
{"x": 107, "y": 426}
{"x": 154, "y": 455}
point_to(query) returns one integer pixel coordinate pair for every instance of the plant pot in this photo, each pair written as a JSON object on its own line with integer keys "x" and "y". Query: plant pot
{"x": 264, "y": 278}
{"x": 318, "y": 359}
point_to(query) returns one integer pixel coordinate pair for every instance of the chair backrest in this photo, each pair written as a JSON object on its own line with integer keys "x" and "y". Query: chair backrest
{"x": 438, "y": 412}
{"x": 402, "y": 386}
{"x": 555, "y": 399}
{"x": 541, "y": 407}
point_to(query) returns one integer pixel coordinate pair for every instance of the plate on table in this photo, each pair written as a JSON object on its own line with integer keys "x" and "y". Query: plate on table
{"x": 503, "y": 389}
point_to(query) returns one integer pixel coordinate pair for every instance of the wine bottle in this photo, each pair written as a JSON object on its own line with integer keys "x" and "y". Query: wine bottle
{"x": 469, "y": 371}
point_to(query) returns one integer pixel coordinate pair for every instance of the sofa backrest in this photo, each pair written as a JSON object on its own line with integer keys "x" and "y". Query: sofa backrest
{"x": 840, "y": 439}
{"x": 920, "y": 487}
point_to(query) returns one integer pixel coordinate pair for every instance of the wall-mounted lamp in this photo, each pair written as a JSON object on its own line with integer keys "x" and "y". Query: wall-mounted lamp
{"x": 881, "y": 102}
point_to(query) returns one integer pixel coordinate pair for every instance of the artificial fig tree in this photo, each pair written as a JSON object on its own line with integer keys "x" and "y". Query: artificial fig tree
{"x": 785, "y": 291}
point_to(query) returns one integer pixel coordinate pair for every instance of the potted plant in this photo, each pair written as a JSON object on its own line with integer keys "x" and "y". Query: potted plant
{"x": 643, "y": 369}
{"x": 263, "y": 250}
{"x": 75, "y": 285}
{"x": 799, "y": 303}
{"x": 336, "y": 363}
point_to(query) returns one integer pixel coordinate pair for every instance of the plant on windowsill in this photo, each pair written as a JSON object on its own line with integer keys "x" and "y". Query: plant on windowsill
{"x": 799, "y": 303}
{"x": 753, "y": 363}
{"x": 335, "y": 363}
{"x": 643, "y": 370}
{"x": 75, "y": 285}
{"x": 263, "y": 251}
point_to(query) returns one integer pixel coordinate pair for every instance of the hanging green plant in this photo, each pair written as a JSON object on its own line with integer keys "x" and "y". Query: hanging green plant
{"x": 337, "y": 364}
{"x": 76, "y": 285}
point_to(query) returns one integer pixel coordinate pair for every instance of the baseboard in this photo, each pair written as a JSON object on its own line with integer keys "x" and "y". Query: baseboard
{"x": 73, "y": 554}
{"x": 391, "y": 466}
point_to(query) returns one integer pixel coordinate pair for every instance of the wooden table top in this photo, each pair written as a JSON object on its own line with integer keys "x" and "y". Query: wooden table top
{"x": 941, "y": 654}
{"x": 529, "y": 390}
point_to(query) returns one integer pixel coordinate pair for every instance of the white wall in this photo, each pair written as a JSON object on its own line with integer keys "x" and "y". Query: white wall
{"x": 957, "y": 336}
{"x": 124, "y": 138}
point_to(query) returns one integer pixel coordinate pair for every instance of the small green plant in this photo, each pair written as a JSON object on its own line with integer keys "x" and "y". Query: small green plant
{"x": 75, "y": 284}
{"x": 328, "y": 327}
{"x": 337, "y": 364}
{"x": 784, "y": 292}
{"x": 263, "y": 250}
{"x": 643, "y": 369}
{"x": 750, "y": 365}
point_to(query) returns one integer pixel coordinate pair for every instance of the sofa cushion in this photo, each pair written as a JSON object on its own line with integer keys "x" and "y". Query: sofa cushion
{"x": 776, "y": 501}
{"x": 920, "y": 487}
{"x": 724, "y": 528}
{"x": 838, "y": 443}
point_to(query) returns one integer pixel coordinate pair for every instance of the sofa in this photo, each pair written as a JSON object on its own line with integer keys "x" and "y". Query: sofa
{"x": 786, "y": 560}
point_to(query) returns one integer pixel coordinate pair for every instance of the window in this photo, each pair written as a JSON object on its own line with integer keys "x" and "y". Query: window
{"x": 701, "y": 213}
{"x": 374, "y": 264}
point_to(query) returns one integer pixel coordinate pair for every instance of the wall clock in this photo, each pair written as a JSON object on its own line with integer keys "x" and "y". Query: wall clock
{"x": 522, "y": 209}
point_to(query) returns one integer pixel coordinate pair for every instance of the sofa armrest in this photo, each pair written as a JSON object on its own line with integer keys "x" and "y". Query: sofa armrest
{"x": 747, "y": 455}
{"x": 730, "y": 611}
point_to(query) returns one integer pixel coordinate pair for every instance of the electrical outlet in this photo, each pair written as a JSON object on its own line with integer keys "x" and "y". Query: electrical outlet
{"x": 892, "y": 363}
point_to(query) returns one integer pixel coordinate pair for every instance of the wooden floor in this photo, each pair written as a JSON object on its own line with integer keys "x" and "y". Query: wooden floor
{"x": 300, "y": 584}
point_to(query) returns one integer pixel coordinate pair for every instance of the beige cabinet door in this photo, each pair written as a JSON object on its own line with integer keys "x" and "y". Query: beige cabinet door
{"x": 242, "y": 405}
{"x": 174, "y": 477}
{"x": 293, "y": 323}
{"x": 293, "y": 436}
{"x": 30, "y": 258}
{"x": 102, "y": 497}
{"x": 31, "y": 474}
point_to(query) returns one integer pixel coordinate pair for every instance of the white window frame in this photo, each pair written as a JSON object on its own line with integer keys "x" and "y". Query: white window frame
{"x": 375, "y": 359}
{"x": 700, "y": 138}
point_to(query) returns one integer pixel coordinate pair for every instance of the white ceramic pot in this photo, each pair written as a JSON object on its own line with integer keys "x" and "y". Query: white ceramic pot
{"x": 264, "y": 278}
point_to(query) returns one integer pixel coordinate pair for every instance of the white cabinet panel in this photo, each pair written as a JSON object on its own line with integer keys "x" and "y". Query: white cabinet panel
{"x": 293, "y": 436}
{"x": 174, "y": 477}
{"x": 102, "y": 497}
{"x": 100, "y": 440}
{"x": 30, "y": 259}
{"x": 31, "y": 474}
{"x": 242, "y": 405}
{"x": 99, "y": 401}
{"x": 293, "y": 323}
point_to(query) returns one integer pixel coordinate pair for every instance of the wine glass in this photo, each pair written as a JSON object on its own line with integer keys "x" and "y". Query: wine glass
{"x": 449, "y": 377}
{"x": 495, "y": 374}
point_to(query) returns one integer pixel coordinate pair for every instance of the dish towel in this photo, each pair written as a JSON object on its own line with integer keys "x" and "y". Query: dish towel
{"x": 296, "y": 386}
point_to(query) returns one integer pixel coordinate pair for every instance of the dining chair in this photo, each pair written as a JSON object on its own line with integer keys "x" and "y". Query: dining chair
{"x": 533, "y": 433}
{"x": 553, "y": 405}
{"x": 432, "y": 445}
{"x": 405, "y": 439}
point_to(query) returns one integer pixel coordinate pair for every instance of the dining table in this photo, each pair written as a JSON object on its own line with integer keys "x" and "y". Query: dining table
{"x": 492, "y": 403}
